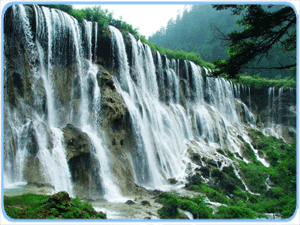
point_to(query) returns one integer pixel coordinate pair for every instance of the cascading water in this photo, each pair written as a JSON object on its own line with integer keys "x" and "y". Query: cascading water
{"x": 274, "y": 124}
{"x": 173, "y": 110}
{"x": 137, "y": 99}
{"x": 159, "y": 125}
{"x": 52, "y": 28}
{"x": 90, "y": 106}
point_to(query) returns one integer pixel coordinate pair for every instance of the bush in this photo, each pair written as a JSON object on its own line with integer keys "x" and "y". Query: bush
{"x": 254, "y": 176}
{"x": 197, "y": 206}
{"x": 239, "y": 211}
{"x": 58, "y": 206}
{"x": 259, "y": 82}
{"x": 170, "y": 207}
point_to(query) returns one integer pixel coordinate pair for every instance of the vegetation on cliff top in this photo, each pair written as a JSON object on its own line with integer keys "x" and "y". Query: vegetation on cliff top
{"x": 105, "y": 18}
{"x": 259, "y": 82}
{"x": 57, "y": 206}
{"x": 242, "y": 35}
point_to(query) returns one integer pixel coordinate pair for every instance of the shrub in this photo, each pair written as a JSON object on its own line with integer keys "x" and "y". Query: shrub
{"x": 170, "y": 206}
{"x": 239, "y": 211}
{"x": 31, "y": 206}
{"x": 254, "y": 176}
{"x": 259, "y": 82}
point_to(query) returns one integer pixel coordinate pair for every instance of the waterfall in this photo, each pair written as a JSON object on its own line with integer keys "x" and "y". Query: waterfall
{"x": 53, "y": 27}
{"x": 138, "y": 101}
{"x": 90, "y": 105}
{"x": 160, "y": 79}
{"x": 171, "y": 109}
{"x": 197, "y": 82}
{"x": 274, "y": 124}
{"x": 159, "y": 125}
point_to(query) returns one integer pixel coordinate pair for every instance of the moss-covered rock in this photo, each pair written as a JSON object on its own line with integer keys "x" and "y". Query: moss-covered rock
{"x": 57, "y": 206}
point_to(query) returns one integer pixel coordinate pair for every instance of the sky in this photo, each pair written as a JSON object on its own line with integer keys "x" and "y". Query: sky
{"x": 148, "y": 18}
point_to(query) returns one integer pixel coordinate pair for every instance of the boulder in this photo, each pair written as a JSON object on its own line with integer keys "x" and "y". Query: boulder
{"x": 204, "y": 171}
{"x": 129, "y": 202}
{"x": 59, "y": 198}
{"x": 84, "y": 165}
{"x": 145, "y": 203}
{"x": 77, "y": 142}
{"x": 195, "y": 179}
{"x": 172, "y": 181}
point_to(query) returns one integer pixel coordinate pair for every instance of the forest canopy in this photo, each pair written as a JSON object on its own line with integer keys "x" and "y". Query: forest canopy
{"x": 213, "y": 33}
{"x": 262, "y": 29}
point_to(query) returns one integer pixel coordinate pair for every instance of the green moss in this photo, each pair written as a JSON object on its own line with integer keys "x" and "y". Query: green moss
{"x": 221, "y": 152}
{"x": 32, "y": 206}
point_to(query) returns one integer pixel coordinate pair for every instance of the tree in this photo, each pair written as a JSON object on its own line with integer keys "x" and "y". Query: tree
{"x": 262, "y": 28}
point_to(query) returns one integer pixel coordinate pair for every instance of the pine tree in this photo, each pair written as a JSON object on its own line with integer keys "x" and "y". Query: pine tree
{"x": 263, "y": 28}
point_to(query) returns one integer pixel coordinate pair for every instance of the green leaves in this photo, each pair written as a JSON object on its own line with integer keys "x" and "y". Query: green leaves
{"x": 172, "y": 202}
{"x": 238, "y": 211}
{"x": 259, "y": 82}
{"x": 262, "y": 29}
{"x": 31, "y": 206}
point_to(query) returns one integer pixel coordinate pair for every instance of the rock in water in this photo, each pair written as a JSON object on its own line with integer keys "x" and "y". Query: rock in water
{"x": 145, "y": 203}
{"x": 129, "y": 202}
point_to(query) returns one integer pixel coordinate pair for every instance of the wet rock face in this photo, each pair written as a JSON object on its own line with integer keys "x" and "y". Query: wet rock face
{"x": 116, "y": 124}
{"x": 281, "y": 101}
{"x": 17, "y": 75}
{"x": 103, "y": 53}
{"x": 83, "y": 165}
{"x": 113, "y": 107}
{"x": 33, "y": 170}
{"x": 85, "y": 175}
{"x": 76, "y": 141}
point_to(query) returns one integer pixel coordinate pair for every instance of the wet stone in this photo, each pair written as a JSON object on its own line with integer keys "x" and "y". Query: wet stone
{"x": 129, "y": 202}
{"x": 172, "y": 181}
{"x": 145, "y": 203}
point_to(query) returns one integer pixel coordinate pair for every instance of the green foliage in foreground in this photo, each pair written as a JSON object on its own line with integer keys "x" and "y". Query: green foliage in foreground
{"x": 259, "y": 82}
{"x": 280, "y": 197}
{"x": 32, "y": 206}
{"x": 172, "y": 202}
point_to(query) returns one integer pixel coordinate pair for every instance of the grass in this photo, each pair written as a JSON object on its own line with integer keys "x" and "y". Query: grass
{"x": 33, "y": 206}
